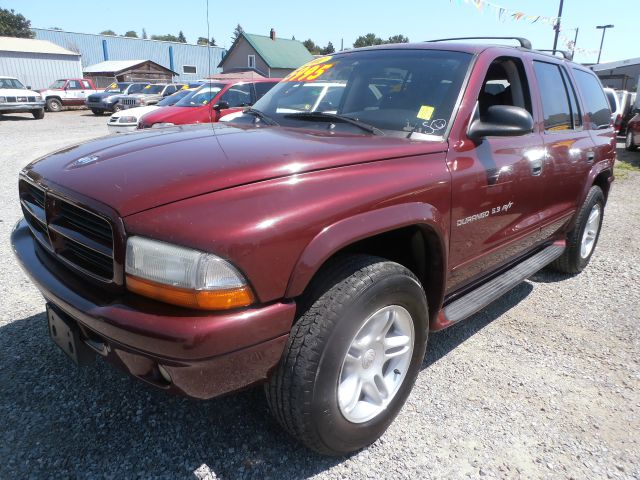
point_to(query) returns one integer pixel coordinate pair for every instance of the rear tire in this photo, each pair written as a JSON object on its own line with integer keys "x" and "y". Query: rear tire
{"x": 335, "y": 318}
{"x": 53, "y": 105}
{"x": 629, "y": 144}
{"x": 582, "y": 240}
{"x": 38, "y": 114}
{"x": 97, "y": 111}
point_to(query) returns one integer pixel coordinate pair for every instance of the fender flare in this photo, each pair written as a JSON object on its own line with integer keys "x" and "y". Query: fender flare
{"x": 358, "y": 227}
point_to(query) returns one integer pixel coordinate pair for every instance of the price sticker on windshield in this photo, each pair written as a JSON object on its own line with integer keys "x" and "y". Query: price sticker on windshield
{"x": 311, "y": 71}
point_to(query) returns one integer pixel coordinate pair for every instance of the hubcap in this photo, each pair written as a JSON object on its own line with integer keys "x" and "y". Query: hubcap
{"x": 590, "y": 231}
{"x": 376, "y": 364}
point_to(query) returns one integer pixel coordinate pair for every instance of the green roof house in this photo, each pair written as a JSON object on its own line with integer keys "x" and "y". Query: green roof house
{"x": 270, "y": 56}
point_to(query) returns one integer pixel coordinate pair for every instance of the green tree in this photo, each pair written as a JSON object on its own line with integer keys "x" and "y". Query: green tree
{"x": 328, "y": 49}
{"x": 204, "y": 41}
{"x": 181, "y": 37}
{"x": 167, "y": 38}
{"x": 108, "y": 32}
{"x": 144, "y": 34}
{"x": 398, "y": 39}
{"x": 236, "y": 32}
{"x": 367, "y": 40}
{"x": 131, "y": 34}
{"x": 13, "y": 24}
{"x": 312, "y": 47}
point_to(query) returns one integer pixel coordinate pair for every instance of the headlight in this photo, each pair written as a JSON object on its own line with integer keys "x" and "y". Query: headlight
{"x": 183, "y": 276}
{"x": 3, "y": 99}
{"x": 108, "y": 100}
{"x": 128, "y": 120}
{"x": 160, "y": 125}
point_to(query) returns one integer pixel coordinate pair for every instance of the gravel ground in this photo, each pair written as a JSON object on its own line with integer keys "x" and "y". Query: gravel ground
{"x": 544, "y": 383}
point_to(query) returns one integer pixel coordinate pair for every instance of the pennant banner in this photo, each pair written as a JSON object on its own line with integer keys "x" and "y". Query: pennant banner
{"x": 504, "y": 14}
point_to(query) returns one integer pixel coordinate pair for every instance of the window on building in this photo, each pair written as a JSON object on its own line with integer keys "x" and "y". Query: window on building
{"x": 189, "y": 69}
{"x": 555, "y": 101}
{"x": 251, "y": 61}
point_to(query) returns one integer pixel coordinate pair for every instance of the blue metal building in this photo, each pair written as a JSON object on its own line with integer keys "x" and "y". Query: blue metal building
{"x": 191, "y": 62}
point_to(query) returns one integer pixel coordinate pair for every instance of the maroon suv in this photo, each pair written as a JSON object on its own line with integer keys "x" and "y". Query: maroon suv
{"x": 370, "y": 197}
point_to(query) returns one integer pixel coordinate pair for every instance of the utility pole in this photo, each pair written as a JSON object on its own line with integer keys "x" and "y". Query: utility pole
{"x": 556, "y": 27}
{"x": 604, "y": 30}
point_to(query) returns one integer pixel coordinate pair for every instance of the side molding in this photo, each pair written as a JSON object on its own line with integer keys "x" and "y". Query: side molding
{"x": 350, "y": 230}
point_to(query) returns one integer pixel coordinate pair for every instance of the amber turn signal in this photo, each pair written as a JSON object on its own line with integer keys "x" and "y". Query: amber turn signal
{"x": 198, "y": 299}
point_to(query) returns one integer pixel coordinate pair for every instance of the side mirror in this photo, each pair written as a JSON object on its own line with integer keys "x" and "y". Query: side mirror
{"x": 28, "y": 87}
{"x": 221, "y": 106}
{"x": 501, "y": 121}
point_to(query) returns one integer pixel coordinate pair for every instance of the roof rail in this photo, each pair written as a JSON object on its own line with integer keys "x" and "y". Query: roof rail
{"x": 565, "y": 53}
{"x": 524, "y": 43}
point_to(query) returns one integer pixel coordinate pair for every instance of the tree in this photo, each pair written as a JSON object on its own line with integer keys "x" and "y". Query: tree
{"x": 236, "y": 33}
{"x": 13, "y": 24}
{"x": 367, "y": 40}
{"x": 144, "y": 34}
{"x": 108, "y": 32}
{"x": 166, "y": 38}
{"x": 328, "y": 49}
{"x": 398, "y": 39}
{"x": 131, "y": 34}
{"x": 312, "y": 47}
{"x": 181, "y": 37}
{"x": 204, "y": 41}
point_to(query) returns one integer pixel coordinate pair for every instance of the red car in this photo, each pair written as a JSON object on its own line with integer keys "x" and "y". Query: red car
{"x": 312, "y": 244}
{"x": 210, "y": 102}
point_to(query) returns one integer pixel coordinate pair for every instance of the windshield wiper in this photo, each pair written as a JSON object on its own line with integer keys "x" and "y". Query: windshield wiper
{"x": 334, "y": 117}
{"x": 261, "y": 115}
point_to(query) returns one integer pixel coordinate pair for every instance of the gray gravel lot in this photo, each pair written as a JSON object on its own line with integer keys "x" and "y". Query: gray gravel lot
{"x": 544, "y": 383}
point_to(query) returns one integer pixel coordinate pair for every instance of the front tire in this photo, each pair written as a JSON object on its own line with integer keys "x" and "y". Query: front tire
{"x": 117, "y": 107}
{"x": 364, "y": 319}
{"x": 54, "y": 105}
{"x": 582, "y": 240}
{"x": 97, "y": 111}
{"x": 629, "y": 144}
{"x": 38, "y": 114}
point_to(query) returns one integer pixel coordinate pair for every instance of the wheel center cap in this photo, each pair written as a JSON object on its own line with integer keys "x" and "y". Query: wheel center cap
{"x": 368, "y": 358}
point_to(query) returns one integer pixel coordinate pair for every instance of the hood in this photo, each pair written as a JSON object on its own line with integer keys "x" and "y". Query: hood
{"x": 155, "y": 167}
{"x": 105, "y": 94}
{"x": 135, "y": 112}
{"x": 177, "y": 115}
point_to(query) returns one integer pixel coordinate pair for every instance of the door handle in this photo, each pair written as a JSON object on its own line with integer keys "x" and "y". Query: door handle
{"x": 590, "y": 157}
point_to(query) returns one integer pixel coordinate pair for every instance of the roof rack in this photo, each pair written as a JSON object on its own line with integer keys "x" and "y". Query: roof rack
{"x": 524, "y": 43}
{"x": 565, "y": 53}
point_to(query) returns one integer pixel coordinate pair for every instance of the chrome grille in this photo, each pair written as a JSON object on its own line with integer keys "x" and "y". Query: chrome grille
{"x": 93, "y": 98}
{"x": 78, "y": 237}
{"x": 129, "y": 101}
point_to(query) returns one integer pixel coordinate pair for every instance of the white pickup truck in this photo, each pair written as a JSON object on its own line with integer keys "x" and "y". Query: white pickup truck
{"x": 16, "y": 98}
{"x": 67, "y": 92}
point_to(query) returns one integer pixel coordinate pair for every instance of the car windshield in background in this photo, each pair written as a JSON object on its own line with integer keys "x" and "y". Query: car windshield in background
{"x": 152, "y": 89}
{"x": 116, "y": 87}
{"x": 57, "y": 84}
{"x": 10, "y": 83}
{"x": 396, "y": 92}
{"x": 202, "y": 96}
{"x": 175, "y": 98}
{"x": 136, "y": 88}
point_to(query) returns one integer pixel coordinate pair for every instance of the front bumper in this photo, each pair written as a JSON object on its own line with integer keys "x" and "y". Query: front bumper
{"x": 21, "y": 107}
{"x": 205, "y": 354}
{"x": 109, "y": 107}
{"x": 122, "y": 127}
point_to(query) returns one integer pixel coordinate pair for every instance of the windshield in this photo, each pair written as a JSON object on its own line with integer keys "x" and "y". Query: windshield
{"x": 202, "y": 96}
{"x": 152, "y": 89}
{"x": 175, "y": 98}
{"x": 396, "y": 91}
{"x": 10, "y": 83}
{"x": 57, "y": 84}
{"x": 136, "y": 88}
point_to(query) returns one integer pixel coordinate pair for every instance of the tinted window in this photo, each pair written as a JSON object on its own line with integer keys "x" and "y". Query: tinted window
{"x": 505, "y": 84}
{"x": 238, "y": 95}
{"x": 594, "y": 99}
{"x": 612, "y": 100}
{"x": 262, "y": 88}
{"x": 555, "y": 103}
{"x": 573, "y": 99}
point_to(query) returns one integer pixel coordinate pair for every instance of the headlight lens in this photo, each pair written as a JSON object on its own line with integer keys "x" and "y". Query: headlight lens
{"x": 183, "y": 276}
{"x": 161, "y": 125}
{"x": 3, "y": 99}
{"x": 128, "y": 120}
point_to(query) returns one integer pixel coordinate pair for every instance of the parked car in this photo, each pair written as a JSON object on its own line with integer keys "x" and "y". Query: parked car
{"x": 632, "y": 138}
{"x": 616, "y": 109}
{"x": 627, "y": 101}
{"x": 127, "y": 120}
{"x": 67, "y": 92}
{"x": 108, "y": 100}
{"x": 16, "y": 98}
{"x": 150, "y": 95}
{"x": 314, "y": 252}
{"x": 210, "y": 102}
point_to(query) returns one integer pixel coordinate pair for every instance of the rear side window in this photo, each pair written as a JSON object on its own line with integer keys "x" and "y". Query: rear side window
{"x": 594, "y": 99}
{"x": 262, "y": 88}
{"x": 555, "y": 101}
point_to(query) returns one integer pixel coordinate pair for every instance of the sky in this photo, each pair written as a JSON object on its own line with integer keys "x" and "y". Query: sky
{"x": 341, "y": 20}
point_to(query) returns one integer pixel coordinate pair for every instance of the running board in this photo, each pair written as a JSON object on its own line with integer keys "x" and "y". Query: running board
{"x": 494, "y": 289}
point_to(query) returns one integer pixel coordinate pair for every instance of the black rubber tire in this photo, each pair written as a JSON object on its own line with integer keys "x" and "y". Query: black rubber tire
{"x": 571, "y": 260}
{"x": 629, "y": 144}
{"x": 38, "y": 114}
{"x": 97, "y": 111}
{"x": 53, "y": 105}
{"x": 117, "y": 107}
{"x": 302, "y": 393}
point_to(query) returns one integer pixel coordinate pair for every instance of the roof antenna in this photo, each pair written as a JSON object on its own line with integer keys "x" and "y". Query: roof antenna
{"x": 209, "y": 66}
